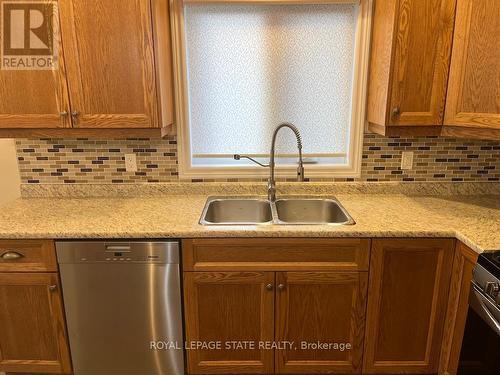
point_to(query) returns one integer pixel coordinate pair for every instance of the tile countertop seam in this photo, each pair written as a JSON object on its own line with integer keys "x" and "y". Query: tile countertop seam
{"x": 472, "y": 219}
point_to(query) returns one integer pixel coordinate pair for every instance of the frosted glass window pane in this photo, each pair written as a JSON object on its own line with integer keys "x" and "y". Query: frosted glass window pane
{"x": 251, "y": 67}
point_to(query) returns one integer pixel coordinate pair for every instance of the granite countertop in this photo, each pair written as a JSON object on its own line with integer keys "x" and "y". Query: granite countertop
{"x": 473, "y": 219}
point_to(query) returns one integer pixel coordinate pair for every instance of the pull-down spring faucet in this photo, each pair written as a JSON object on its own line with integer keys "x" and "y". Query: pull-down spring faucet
{"x": 271, "y": 187}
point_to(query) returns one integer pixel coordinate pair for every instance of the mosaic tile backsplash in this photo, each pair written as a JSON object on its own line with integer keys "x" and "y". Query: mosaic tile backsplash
{"x": 56, "y": 161}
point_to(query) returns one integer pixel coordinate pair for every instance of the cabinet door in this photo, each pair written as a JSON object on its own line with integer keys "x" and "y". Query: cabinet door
{"x": 35, "y": 98}
{"x": 108, "y": 47}
{"x": 320, "y": 307}
{"x": 422, "y": 36}
{"x": 32, "y": 328}
{"x": 225, "y": 307}
{"x": 474, "y": 88}
{"x": 408, "y": 294}
{"x": 458, "y": 307}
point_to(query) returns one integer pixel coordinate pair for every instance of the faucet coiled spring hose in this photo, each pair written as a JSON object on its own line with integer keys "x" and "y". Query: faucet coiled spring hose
{"x": 295, "y": 130}
{"x": 299, "y": 146}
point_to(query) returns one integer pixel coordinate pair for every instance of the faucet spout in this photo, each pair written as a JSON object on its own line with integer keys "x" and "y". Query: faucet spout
{"x": 271, "y": 189}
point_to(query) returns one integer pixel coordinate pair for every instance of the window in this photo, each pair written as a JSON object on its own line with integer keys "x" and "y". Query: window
{"x": 244, "y": 68}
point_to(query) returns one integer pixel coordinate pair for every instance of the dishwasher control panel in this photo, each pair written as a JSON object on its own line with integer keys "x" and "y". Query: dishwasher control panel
{"x": 119, "y": 252}
{"x": 123, "y": 256}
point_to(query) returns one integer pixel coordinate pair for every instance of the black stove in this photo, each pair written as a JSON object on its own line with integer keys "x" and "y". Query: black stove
{"x": 486, "y": 278}
{"x": 491, "y": 262}
{"x": 481, "y": 343}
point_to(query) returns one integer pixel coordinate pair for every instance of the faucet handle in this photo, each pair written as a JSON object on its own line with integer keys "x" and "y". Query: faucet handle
{"x": 239, "y": 157}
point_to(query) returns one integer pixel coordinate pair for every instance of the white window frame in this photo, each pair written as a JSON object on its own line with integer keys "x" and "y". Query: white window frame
{"x": 359, "y": 102}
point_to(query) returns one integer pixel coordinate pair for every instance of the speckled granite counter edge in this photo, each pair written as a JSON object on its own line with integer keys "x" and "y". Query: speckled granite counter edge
{"x": 165, "y": 189}
{"x": 249, "y": 233}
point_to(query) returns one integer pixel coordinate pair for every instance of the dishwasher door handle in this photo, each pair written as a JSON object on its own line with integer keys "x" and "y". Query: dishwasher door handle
{"x": 118, "y": 248}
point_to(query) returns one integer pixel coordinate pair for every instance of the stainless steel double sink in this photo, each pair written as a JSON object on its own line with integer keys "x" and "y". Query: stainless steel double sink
{"x": 285, "y": 211}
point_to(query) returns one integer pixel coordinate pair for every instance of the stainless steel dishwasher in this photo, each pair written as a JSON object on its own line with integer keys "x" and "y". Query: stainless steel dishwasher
{"x": 121, "y": 298}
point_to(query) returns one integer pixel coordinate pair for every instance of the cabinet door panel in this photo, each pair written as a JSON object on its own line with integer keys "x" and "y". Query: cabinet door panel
{"x": 474, "y": 89}
{"x": 32, "y": 329}
{"x": 458, "y": 307}
{"x": 409, "y": 282}
{"x": 35, "y": 98}
{"x": 423, "y": 40}
{"x": 323, "y": 307}
{"x": 225, "y": 307}
{"x": 109, "y": 50}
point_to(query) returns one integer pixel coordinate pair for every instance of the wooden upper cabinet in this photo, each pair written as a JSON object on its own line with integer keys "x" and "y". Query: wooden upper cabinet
{"x": 474, "y": 88}
{"x": 34, "y": 98}
{"x": 226, "y": 307}
{"x": 108, "y": 46}
{"x": 32, "y": 329}
{"x": 113, "y": 78}
{"x": 327, "y": 307}
{"x": 408, "y": 297}
{"x": 411, "y": 48}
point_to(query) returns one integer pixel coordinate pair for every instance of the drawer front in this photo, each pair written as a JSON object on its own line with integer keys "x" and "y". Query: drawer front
{"x": 27, "y": 256}
{"x": 272, "y": 254}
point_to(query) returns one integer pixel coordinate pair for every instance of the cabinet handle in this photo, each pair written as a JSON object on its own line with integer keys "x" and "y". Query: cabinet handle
{"x": 269, "y": 287}
{"x": 75, "y": 113}
{"x": 64, "y": 114}
{"x": 281, "y": 287}
{"x": 396, "y": 111}
{"x": 11, "y": 255}
{"x": 53, "y": 288}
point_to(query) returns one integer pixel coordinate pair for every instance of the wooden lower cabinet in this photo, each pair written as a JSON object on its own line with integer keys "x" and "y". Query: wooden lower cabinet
{"x": 407, "y": 302}
{"x": 32, "y": 327}
{"x": 458, "y": 308}
{"x": 400, "y": 317}
{"x": 320, "y": 307}
{"x": 295, "y": 310}
{"x": 227, "y": 307}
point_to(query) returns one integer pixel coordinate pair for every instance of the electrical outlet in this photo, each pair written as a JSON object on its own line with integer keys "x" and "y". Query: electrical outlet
{"x": 131, "y": 162}
{"x": 407, "y": 160}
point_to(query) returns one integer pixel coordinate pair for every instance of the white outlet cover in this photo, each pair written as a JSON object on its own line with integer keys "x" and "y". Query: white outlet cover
{"x": 407, "y": 160}
{"x": 131, "y": 162}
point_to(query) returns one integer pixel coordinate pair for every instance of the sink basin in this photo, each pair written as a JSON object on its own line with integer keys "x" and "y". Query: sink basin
{"x": 285, "y": 211}
{"x": 236, "y": 211}
{"x": 311, "y": 211}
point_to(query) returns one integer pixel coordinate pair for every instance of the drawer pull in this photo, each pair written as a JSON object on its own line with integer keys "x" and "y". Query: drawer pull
{"x": 11, "y": 255}
{"x": 53, "y": 288}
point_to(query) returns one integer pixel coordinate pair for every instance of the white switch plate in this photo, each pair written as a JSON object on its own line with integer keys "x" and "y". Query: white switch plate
{"x": 131, "y": 162}
{"x": 407, "y": 160}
